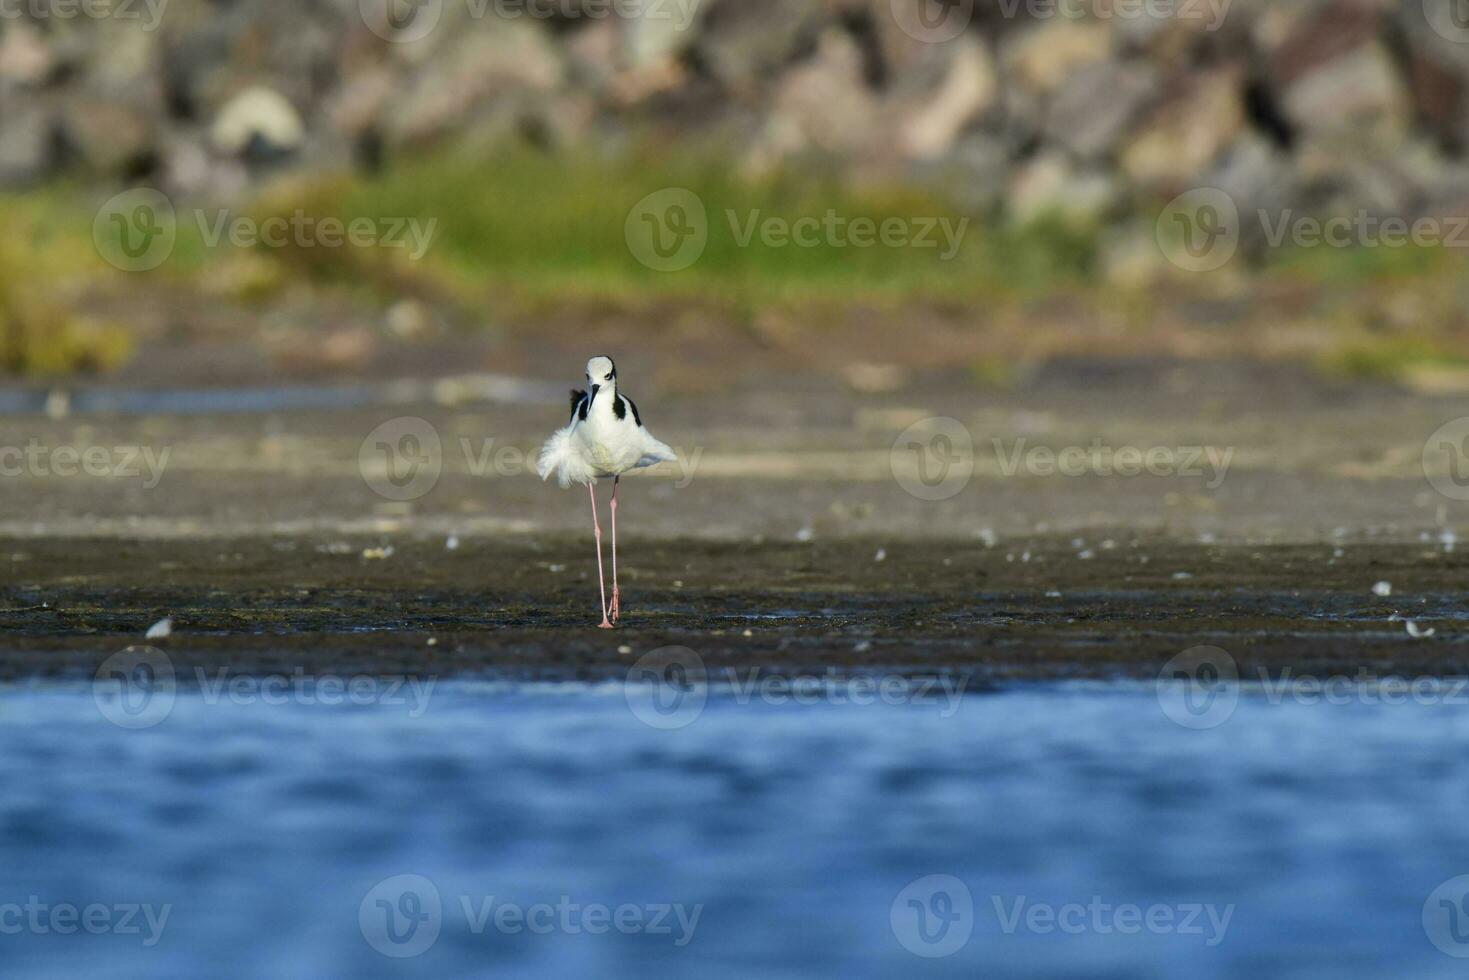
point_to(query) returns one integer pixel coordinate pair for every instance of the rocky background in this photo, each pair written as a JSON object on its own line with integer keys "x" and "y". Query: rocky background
{"x": 1085, "y": 107}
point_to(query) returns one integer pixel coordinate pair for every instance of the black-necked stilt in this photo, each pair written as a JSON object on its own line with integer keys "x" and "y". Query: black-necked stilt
{"x": 605, "y": 437}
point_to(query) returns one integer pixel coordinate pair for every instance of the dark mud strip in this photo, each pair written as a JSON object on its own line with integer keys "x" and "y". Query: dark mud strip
{"x": 527, "y": 608}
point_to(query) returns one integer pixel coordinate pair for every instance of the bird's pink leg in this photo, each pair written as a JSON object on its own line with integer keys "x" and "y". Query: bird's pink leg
{"x": 615, "y": 607}
{"x": 597, "y": 531}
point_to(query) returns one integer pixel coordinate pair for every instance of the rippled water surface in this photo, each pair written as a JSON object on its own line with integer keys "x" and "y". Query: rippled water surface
{"x": 788, "y": 839}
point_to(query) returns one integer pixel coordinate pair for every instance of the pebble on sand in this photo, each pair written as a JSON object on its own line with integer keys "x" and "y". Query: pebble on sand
{"x": 160, "y": 630}
{"x": 1382, "y": 589}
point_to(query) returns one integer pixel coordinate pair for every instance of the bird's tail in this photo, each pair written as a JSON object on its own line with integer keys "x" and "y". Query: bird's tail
{"x": 555, "y": 455}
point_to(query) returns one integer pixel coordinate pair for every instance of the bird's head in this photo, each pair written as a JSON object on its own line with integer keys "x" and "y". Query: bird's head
{"x": 601, "y": 373}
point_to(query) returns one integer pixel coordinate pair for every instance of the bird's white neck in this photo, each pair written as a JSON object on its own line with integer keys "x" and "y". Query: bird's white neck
{"x": 605, "y": 397}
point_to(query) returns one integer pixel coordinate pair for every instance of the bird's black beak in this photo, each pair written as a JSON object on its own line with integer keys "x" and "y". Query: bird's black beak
{"x": 595, "y": 389}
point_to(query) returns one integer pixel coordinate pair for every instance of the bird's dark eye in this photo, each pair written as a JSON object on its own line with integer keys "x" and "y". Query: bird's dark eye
{"x": 606, "y": 377}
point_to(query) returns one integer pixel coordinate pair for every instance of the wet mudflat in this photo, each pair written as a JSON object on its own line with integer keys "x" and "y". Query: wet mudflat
{"x": 525, "y": 606}
{"x": 795, "y": 534}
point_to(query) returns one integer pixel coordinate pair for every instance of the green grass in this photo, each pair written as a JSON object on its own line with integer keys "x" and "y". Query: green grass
{"x": 525, "y": 231}
{"x": 557, "y": 227}
{"x": 44, "y": 264}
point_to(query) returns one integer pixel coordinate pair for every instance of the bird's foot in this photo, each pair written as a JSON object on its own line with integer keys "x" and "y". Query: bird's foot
{"x": 616, "y": 609}
{"x": 604, "y": 624}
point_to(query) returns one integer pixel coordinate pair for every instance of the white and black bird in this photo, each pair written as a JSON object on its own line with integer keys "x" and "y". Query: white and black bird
{"x": 605, "y": 437}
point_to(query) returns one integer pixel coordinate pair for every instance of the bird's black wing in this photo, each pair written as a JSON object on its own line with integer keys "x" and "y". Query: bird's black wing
{"x": 635, "y": 416}
{"x": 577, "y": 397}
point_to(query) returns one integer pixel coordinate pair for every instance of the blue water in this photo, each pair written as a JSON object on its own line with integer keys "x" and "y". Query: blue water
{"x": 804, "y": 835}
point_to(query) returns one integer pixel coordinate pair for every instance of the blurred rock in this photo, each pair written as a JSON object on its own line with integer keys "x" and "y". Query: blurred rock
{"x": 478, "y": 74}
{"x": 1359, "y": 92}
{"x": 661, "y": 31}
{"x": 259, "y": 122}
{"x": 1258, "y": 177}
{"x": 27, "y": 142}
{"x": 1050, "y": 187}
{"x": 25, "y": 57}
{"x": 822, "y": 105}
{"x": 744, "y": 43}
{"x": 1315, "y": 105}
{"x": 931, "y": 122}
{"x": 1185, "y": 135}
{"x": 1044, "y": 57}
{"x": 108, "y": 137}
{"x": 1095, "y": 105}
